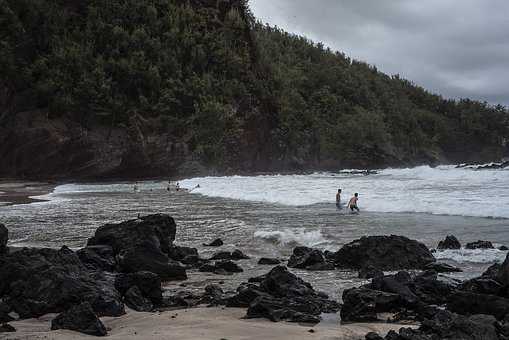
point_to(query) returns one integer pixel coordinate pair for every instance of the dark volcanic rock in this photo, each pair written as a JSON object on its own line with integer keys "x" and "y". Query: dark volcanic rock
{"x": 268, "y": 261}
{"x": 472, "y": 303}
{"x": 80, "y": 318}
{"x": 148, "y": 283}
{"x": 35, "y": 282}
{"x": 493, "y": 271}
{"x": 143, "y": 244}
{"x": 145, "y": 257}
{"x": 6, "y": 328}
{"x": 449, "y": 326}
{"x": 369, "y": 272}
{"x": 216, "y": 243}
{"x": 282, "y": 296}
{"x": 304, "y": 257}
{"x": 363, "y": 305}
{"x": 501, "y": 272}
{"x": 440, "y": 267}
{"x": 450, "y": 242}
{"x": 482, "y": 286}
{"x": 4, "y": 312}
{"x": 480, "y": 245}
{"x": 383, "y": 252}
{"x": 226, "y": 255}
{"x": 135, "y": 299}
{"x": 178, "y": 253}
{"x": 4, "y": 237}
{"x": 222, "y": 267}
{"x": 97, "y": 257}
{"x": 182, "y": 299}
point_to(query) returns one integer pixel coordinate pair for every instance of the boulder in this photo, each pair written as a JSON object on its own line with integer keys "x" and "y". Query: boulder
{"x": 144, "y": 257}
{"x": 143, "y": 244}
{"x": 182, "y": 299}
{"x": 97, "y": 258}
{"x": 480, "y": 245}
{"x": 5, "y": 309}
{"x": 373, "y": 336}
{"x": 282, "y": 295}
{"x": 463, "y": 302}
{"x": 503, "y": 248}
{"x": 6, "y": 328}
{"x": 135, "y": 299}
{"x": 4, "y": 237}
{"x": 80, "y": 318}
{"x": 216, "y": 243}
{"x": 383, "y": 252}
{"x": 450, "y": 242}
{"x": 441, "y": 267}
{"x": 363, "y": 304}
{"x": 304, "y": 257}
{"x": 226, "y": 255}
{"x": 449, "y": 326}
{"x": 148, "y": 283}
{"x": 221, "y": 267}
{"x": 35, "y": 282}
{"x": 268, "y": 261}
{"x": 482, "y": 285}
{"x": 178, "y": 253}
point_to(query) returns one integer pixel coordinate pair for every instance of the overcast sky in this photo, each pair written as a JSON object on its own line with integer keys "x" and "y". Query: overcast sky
{"x": 457, "y": 48}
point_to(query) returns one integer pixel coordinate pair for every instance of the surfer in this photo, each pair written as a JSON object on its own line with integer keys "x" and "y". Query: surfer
{"x": 338, "y": 199}
{"x": 353, "y": 203}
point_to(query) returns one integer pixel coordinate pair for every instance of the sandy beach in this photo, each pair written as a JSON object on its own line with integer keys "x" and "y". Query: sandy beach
{"x": 22, "y": 192}
{"x": 198, "y": 323}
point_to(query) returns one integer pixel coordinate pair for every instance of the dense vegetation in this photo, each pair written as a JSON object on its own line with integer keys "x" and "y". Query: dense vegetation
{"x": 239, "y": 94}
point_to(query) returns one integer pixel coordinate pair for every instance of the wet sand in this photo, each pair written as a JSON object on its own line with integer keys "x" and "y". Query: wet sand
{"x": 22, "y": 192}
{"x": 199, "y": 323}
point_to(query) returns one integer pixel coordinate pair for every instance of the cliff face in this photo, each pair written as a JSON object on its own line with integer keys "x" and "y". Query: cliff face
{"x": 145, "y": 88}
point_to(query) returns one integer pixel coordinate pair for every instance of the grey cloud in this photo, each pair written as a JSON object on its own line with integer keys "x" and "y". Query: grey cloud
{"x": 457, "y": 48}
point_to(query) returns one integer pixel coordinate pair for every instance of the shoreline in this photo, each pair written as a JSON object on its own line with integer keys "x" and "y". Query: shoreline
{"x": 13, "y": 192}
{"x": 211, "y": 323}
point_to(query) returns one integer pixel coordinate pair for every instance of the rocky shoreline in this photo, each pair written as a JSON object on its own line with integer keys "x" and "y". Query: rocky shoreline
{"x": 124, "y": 265}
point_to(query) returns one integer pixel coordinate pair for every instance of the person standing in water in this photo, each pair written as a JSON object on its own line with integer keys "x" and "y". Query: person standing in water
{"x": 338, "y": 199}
{"x": 177, "y": 186}
{"x": 353, "y": 203}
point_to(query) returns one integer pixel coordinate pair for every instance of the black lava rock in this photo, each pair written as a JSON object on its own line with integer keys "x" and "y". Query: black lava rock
{"x": 4, "y": 237}
{"x": 480, "y": 245}
{"x": 450, "y": 242}
{"x": 81, "y": 319}
{"x": 268, "y": 261}
{"x": 383, "y": 252}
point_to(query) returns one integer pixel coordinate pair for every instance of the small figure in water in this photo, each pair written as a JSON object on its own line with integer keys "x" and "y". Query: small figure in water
{"x": 177, "y": 186}
{"x": 353, "y": 203}
{"x": 169, "y": 185}
{"x": 338, "y": 199}
{"x": 135, "y": 188}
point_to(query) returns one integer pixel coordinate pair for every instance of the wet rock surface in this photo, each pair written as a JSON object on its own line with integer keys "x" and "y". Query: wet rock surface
{"x": 269, "y": 261}
{"x": 450, "y": 242}
{"x": 480, "y": 245}
{"x": 216, "y": 243}
{"x": 383, "y": 252}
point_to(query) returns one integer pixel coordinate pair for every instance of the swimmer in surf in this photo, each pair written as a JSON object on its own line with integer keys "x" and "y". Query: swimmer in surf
{"x": 352, "y": 204}
{"x": 338, "y": 199}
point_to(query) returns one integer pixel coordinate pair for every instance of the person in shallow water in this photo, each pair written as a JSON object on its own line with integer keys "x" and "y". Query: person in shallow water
{"x": 353, "y": 203}
{"x": 338, "y": 199}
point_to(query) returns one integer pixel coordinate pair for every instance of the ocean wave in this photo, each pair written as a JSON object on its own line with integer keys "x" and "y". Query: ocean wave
{"x": 472, "y": 255}
{"x": 444, "y": 190}
{"x": 301, "y": 237}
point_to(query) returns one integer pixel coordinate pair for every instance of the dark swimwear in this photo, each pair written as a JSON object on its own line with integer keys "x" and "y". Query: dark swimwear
{"x": 354, "y": 207}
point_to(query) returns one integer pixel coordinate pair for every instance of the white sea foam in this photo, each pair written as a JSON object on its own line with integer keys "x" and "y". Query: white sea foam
{"x": 442, "y": 190}
{"x": 312, "y": 238}
{"x": 471, "y": 255}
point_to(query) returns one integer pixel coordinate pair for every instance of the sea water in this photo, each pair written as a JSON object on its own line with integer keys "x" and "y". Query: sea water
{"x": 267, "y": 216}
